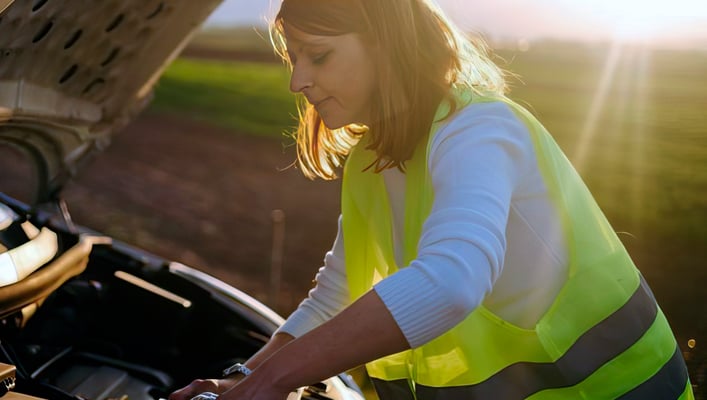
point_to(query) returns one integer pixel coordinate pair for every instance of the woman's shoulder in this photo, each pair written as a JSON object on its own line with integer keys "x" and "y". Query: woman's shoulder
{"x": 481, "y": 121}
{"x": 489, "y": 109}
{"x": 480, "y": 128}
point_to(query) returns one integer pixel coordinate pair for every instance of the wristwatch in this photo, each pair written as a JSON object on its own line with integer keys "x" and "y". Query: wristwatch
{"x": 205, "y": 396}
{"x": 237, "y": 368}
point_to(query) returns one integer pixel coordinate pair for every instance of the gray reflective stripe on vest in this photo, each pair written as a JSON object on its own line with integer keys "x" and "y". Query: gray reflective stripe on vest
{"x": 594, "y": 348}
{"x": 668, "y": 383}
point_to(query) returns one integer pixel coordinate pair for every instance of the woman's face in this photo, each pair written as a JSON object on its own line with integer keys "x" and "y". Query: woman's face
{"x": 335, "y": 73}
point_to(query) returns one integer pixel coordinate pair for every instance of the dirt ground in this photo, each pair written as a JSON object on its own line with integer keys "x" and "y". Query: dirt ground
{"x": 205, "y": 196}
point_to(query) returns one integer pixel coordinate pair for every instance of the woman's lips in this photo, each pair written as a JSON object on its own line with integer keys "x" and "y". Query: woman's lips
{"x": 319, "y": 103}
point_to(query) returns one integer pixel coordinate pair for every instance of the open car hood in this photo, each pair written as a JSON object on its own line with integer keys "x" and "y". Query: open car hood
{"x": 73, "y": 72}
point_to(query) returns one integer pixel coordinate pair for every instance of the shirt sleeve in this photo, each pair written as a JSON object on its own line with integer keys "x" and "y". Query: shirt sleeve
{"x": 329, "y": 296}
{"x": 475, "y": 162}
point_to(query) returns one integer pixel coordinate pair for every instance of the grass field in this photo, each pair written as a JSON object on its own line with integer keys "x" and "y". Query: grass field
{"x": 248, "y": 97}
{"x": 633, "y": 121}
{"x": 646, "y": 156}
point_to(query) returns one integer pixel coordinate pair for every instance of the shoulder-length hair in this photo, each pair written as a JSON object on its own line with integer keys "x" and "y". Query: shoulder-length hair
{"x": 419, "y": 55}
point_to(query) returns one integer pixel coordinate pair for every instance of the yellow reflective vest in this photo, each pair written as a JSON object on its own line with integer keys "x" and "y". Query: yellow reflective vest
{"x": 604, "y": 337}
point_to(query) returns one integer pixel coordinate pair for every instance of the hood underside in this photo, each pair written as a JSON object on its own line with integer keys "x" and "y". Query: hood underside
{"x": 73, "y": 72}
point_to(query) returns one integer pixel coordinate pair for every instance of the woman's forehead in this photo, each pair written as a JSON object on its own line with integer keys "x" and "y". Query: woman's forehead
{"x": 298, "y": 37}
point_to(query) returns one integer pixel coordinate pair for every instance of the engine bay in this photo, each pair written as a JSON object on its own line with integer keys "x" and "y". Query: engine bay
{"x": 124, "y": 324}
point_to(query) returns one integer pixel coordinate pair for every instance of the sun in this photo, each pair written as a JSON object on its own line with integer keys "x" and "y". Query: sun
{"x": 642, "y": 19}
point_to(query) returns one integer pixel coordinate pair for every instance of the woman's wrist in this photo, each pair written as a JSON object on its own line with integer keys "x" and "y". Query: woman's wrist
{"x": 278, "y": 372}
{"x": 228, "y": 382}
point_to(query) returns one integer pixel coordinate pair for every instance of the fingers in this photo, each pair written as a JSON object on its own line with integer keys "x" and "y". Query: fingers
{"x": 194, "y": 388}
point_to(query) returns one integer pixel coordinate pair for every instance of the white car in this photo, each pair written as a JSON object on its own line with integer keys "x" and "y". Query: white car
{"x": 83, "y": 316}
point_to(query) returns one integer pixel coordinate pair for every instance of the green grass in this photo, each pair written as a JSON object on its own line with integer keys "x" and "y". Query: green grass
{"x": 247, "y": 97}
{"x": 646, "y": 161}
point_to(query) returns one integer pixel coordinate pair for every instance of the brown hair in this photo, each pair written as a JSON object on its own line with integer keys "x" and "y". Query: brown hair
{"x": 419, "y": 56}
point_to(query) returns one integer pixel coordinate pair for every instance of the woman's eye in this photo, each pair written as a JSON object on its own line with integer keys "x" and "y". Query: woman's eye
{"x": 319, "y": 59}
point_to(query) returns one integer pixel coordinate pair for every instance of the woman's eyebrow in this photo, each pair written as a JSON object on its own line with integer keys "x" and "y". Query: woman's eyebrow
{"x": 302, "y": 47}
{"x": 300, "y": 43}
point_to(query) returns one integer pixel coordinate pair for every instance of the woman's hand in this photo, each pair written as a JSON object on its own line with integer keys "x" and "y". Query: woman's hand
{"x": 217, "y": 386}
{"x": 362, "y": 332}
{"x": 255, "y": 387}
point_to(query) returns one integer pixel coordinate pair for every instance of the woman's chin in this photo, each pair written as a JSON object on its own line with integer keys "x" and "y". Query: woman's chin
{"x": 354, "y": 126}
{"x": 332, "y": 122}
{"x": 333, "y": 126}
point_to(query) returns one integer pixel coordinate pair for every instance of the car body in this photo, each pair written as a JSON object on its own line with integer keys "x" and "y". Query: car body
{"x": 83, "y": 316}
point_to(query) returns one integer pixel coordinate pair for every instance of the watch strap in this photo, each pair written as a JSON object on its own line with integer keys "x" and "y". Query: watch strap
{"x": 237, "y": 368}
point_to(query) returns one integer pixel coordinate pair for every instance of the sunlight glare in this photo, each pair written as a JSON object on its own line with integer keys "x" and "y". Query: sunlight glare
{"x": 643, "y": 19}
{"x": 598, "y": 102}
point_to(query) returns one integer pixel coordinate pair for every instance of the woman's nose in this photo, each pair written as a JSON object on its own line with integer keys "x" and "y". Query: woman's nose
{"x": 300, "y": 80}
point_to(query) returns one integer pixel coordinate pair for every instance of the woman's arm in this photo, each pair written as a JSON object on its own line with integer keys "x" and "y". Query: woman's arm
{"x": 328, "y": 297}
{"x": 221, "y": 385}
{"x": 362, "y": 332}
{"x": 474, "y": 166}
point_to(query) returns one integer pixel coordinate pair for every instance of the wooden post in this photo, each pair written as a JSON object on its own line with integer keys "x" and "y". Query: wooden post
{"x": 278, "y": 241}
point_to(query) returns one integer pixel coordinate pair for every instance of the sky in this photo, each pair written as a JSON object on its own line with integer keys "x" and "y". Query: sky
{"x": 676, "y": 22}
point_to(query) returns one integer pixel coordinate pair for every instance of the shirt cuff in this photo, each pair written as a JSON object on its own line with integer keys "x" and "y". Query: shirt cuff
{"x": 300, "y": 322}
{"x": 421, "y": 313}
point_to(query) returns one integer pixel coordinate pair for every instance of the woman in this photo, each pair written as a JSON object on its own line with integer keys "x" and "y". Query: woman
{"x": 471, "y": 262}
